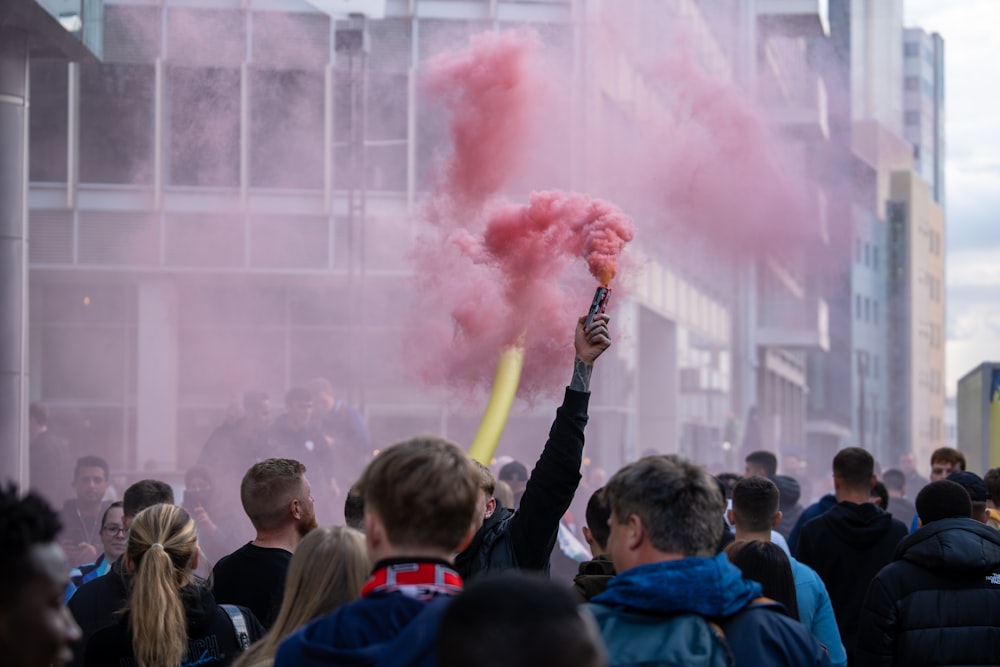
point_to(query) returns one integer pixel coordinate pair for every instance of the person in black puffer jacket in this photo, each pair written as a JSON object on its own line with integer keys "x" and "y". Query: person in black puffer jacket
{"x": 938, "y": 602}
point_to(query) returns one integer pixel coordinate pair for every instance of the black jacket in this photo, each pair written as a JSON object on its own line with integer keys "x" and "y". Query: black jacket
{"x": 938, "y": 603}
{"x": 212, "y": 639}
{"x": 95, "y": 603}
{"x": 524, "y": 539}
{"x": 847, "y": 546}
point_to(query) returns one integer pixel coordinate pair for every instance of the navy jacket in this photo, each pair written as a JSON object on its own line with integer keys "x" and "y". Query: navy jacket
{"x": 938, "y": 602}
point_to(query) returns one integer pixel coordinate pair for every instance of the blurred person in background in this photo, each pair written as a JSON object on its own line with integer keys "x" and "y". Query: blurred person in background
{"x": 789, "y": 493}
{"x": 593, "y": 576}
{"x": 219, "y": 531}
{"x": 992, "y": 481}
{"x": 50, "y": 458}
{"x": 516, "y": 477}
{"x": 343, "y": 429}
{"x": 328, "y": 569}
{"x": 902, "y": 507}
{"x": 81, "y": 516}
{"x": 914, "y": 480}
{"x": 170, "y": 618}
{"x": 113, "y": 539}
{"x": 761, "y": 464}
{"x": 36, "y": 629}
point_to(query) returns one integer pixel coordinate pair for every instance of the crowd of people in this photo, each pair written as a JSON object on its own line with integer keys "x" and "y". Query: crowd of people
{"x": 442, "y": 563}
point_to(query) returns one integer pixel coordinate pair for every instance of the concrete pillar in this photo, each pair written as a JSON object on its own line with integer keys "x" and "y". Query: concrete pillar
{"x": 13, "y": 254}
{"x": 158, "y": 354}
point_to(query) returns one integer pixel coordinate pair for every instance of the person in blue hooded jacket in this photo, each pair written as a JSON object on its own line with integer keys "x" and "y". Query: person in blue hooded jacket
{"x": 671, "y": 586}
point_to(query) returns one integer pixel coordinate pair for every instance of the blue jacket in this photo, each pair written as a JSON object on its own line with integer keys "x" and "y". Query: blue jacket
{"x": 715, "y": 589}
{"x": 379, "y": 630}
{"x": 816, "y": 611}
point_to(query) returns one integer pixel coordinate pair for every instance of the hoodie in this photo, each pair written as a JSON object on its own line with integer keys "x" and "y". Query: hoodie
{"x": 212, "y": 639}
{"x": 847, "y": 546}
{"x": 938, "y": 602}
{"x": 593, "y": 577}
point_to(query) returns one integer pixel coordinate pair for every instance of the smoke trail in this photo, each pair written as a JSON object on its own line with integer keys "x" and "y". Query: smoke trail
{"x": 518, "y": 281}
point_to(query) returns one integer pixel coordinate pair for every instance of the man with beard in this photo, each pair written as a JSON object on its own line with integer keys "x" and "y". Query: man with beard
{"x": 277, "y": 497}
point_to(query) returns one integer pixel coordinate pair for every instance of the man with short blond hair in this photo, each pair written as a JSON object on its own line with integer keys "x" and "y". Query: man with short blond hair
{"x": 278, "y": 499}
{"x": 419, "y": 497}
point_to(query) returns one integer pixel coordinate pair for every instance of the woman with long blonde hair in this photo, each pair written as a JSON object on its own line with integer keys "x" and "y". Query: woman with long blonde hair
{"x": 329, "y": 567}
{"x": 171, "y": 618}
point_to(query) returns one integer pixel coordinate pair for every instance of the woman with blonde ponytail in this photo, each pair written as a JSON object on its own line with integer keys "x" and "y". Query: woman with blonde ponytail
{"x": 171, "y": 618}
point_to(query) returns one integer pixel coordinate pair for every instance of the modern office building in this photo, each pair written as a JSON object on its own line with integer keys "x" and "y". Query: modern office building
{"x": 923, "y": 106}
{"x": 209, "y": 214}
{"x": 978, "y": 416}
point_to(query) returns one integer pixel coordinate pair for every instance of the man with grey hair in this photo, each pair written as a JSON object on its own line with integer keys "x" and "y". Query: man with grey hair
{"x": 671, "y": 586}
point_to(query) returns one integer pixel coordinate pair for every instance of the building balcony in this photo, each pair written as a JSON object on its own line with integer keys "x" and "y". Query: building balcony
{"x": 802, "y": 18}
{"x": 803, "y": 113}
{"x": 788, "y": 316}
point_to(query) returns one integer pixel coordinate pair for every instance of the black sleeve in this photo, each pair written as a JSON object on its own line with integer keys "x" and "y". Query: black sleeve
{"x": 552, "y": 484}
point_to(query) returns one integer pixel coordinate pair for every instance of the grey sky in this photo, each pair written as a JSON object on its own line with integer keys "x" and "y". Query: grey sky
{"x": 972, "y": 180}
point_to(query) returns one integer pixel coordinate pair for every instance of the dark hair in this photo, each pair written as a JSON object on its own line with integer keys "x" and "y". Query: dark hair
{"x": 943, "y": 499}
{"x": 112, "y": 506}
{"x": 24, "y": 523}
{"x": 297, "y": 395}
{"x": 855, "y": 467}
{"x": 949, "y": 455}
{"x": 253, "y": 399}
{"x": 39, "y": 413}
{"x": 146, "y": 493}
{"x": 519, "y": 619}
{"x": 727, "y": 481}
{"x": 354, "y": 508}
{"x": 513, "y": 472}
{"x": 976, "y": 487}
{"x": 755, "y": 504}
{"x": 92, "y": 462}
{"x": 764, "y": 459}
{"x": 879, "y": 491}
{"x": 767, "y": 564}
{"x": 992, "y": 481}
{"x": 598, "y": 513}
{"x": 894, "y": 480}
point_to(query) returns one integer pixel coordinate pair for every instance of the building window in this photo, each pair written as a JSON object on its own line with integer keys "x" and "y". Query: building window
{"x": 857, "y": 251}
{"x": 116, "y": 123}
{"x": 911, "y": 49}
{"x": 49, "y": 121}
{"x": 912, "y": 117}
{"x": 868, "y": 309}
{"x": 857, "y": 306}
{"x": 203, "y": 104}
{"x": 875, "y": 258}
{"x": 911, "y": 83}
{"x": 286, "y": 129}
{"x": 867, "y": 254}
{"x": 875, "y": 313}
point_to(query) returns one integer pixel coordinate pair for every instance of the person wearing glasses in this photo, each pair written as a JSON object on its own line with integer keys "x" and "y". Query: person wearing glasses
{"x": 113, "y": 539}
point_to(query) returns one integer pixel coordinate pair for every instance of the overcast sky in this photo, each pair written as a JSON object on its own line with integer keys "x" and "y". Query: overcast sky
{"x": 972, "y": 180}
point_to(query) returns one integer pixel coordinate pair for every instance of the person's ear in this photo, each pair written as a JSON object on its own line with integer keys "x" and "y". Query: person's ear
{"x": 729, "y": 516}
{"x": 295, "y": 508}
{"x": 777, "y": 519}
{"x": 874, "y": 480}
{"x": 194, "y": 559}
{"x": 588, "y": 537}
{"x": 635, "y": 532}
{"x": 491, "y": 507}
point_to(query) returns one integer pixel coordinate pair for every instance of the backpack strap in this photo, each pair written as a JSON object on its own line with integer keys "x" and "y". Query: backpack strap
{"x": 239, "y": 625}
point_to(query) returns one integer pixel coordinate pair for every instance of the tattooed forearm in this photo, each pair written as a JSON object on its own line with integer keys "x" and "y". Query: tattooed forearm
{"x": 581, "y": 375}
